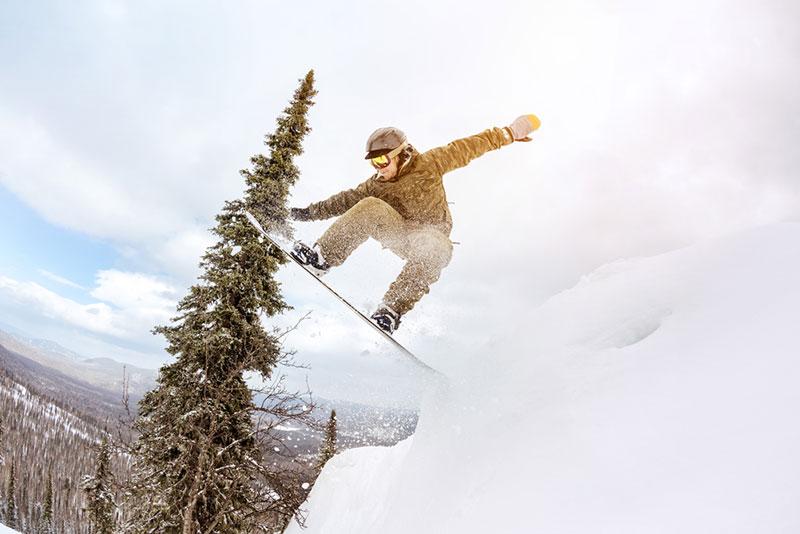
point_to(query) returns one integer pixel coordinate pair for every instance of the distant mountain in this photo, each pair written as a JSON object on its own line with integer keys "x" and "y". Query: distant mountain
{"x": 360, "y": 425}
{"x": 357, "y": 425}
{"x": 54, "y": 348}
{"x": 94, "y": 402}
{"x": 101, "y": 372}
{"x": 12, "y": 329}
{"x": 98, "y": 381}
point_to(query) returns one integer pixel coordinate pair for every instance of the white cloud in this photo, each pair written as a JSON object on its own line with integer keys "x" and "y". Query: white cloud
{"x": 136, "y": 295}
{"x": 130, "y": 304}
{"x": 72, "y": 190}
{"x": 627, "y": 93}
{"x": 181, "y": 252}
{"x": 97, "y": 317}
{"x": 59, "y": 279}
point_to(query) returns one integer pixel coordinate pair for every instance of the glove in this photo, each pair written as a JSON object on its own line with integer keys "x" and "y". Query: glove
{"x": 522, "y": 126}
{"x": 299, "y": 214}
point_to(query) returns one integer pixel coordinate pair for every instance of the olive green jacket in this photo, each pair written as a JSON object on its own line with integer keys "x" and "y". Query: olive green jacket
{"x": 417, "y": 193}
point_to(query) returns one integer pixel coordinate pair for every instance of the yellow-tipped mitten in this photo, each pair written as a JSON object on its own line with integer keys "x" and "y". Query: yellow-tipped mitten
{"x": 524, "y": 125}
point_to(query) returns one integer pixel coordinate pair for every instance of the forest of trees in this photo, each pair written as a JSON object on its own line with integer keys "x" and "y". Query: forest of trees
{"x": 48, "y": 448}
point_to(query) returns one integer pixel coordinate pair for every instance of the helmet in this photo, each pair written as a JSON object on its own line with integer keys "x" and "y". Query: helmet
{"x": 384, "y": 140}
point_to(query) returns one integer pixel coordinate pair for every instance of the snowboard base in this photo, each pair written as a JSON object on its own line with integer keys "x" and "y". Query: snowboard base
{"x": 396, "y": 344}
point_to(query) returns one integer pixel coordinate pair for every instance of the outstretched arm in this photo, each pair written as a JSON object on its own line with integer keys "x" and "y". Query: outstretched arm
{"x": 461, "y": 151}
{"x": 333, "y": 206}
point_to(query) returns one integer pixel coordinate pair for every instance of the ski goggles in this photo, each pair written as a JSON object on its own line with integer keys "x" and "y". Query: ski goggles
{"x": 383, "y": 161}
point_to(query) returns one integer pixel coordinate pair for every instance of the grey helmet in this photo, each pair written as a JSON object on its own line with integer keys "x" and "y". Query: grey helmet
{"x": 384, "y": 140}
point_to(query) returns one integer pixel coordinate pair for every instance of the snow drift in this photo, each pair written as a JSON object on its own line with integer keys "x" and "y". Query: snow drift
{"x": 657, "y": 395}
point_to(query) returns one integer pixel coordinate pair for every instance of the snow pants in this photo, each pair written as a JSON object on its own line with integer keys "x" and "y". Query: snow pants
{"x": 426, "y": 249}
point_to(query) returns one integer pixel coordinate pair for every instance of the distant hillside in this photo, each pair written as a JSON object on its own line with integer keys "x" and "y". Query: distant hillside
{"x": 101, "y": 372}
{"x": 358, "y": 425}
{"x": 93, "y": 402}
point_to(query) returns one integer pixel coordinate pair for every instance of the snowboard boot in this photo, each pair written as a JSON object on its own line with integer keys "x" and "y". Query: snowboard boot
{"x": 310, "y": 257}
{"x": 386, "y": 318}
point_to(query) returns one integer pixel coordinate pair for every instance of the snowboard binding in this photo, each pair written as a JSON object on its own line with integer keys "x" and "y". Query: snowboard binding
{"x": 310, "y": 257}
{"x": 387, "y": 319}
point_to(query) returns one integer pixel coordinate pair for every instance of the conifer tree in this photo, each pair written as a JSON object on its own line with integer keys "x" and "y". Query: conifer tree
{"x": 11, "y": 499}
{"x": 197, "y": 462}
{"x": 99, "y": 490}
{"x": 328, "y": 446}
{"x": 47, "y": 512}
{"x": 2, "y": 447}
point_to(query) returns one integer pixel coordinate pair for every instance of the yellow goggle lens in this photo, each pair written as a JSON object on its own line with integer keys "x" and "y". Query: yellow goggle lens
{"x": 380, "y": 161}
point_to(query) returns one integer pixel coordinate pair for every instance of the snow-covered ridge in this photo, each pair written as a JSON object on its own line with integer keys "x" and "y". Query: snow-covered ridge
{"x": 26, "y": 402}
{"x": 105, "y": 373}
{"x": 657, "y": 395}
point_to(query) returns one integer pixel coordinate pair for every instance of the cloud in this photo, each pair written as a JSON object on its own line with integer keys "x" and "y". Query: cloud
{"x": 72, "y": 190}
{"x": 130, "y": 304}
{"x": 137, "y": 296}
{"x": 59, "y": 279}
{"x": 96, "y": 317}
{"x": 181, "y": 252}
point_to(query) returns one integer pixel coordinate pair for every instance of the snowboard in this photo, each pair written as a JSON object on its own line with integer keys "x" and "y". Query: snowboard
{"x": 392, "y": 341}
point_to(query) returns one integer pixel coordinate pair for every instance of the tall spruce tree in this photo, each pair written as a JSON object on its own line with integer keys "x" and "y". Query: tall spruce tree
{"x": 99, "y": 490}
{"x": 11, "y": 499}
{"x": 47, "y": 508}
{"x": 328, "y": 447}
{"x": 197, "y": 462}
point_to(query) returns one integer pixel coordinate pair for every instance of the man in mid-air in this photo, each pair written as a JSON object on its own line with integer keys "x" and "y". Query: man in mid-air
{"x": 403, "y": 206}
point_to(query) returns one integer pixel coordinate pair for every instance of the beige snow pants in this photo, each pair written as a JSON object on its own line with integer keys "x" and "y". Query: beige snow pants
{"x": 426, "y": 249}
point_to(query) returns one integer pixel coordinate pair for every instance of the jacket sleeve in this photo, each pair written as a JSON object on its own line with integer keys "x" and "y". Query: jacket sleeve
{"x": 461, "y": 151}
{"x": 340, "y": 202}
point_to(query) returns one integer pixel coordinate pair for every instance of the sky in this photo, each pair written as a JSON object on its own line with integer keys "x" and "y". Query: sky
{"x": 123, "y": 127}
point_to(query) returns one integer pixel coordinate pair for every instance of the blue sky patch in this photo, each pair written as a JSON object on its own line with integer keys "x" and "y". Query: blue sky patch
{"x": 33, "y": 247}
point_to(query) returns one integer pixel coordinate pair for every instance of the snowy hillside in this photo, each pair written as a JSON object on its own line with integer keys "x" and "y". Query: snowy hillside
{"x": 5, "y": 530}
{"x": 657, "y": 395}
{"x": 101, "y": 372}
{"x": 50, "y": 426}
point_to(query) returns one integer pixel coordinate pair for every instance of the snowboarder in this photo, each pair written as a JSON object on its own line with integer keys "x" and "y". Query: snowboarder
{"x": 403, "y": 206}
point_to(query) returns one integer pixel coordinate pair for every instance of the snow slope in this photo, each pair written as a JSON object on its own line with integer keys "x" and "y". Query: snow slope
{"x": 657, "y": 395}
{"x": 5, "y": 530}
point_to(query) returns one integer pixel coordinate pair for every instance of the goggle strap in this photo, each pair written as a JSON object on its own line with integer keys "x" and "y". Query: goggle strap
{"x": 397, "y": 150}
